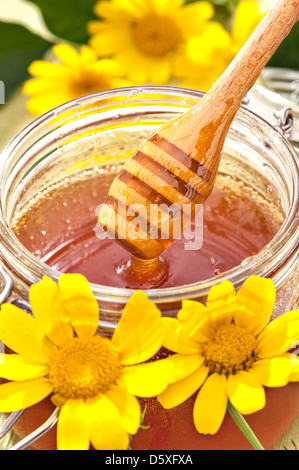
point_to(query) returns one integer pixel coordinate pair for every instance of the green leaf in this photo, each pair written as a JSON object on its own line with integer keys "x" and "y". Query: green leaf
{"x": 67, "y": 19}
{"x": 294, "y": 444}
{"x": 244, "y": 427}
{"x": 287, "y": 54}
{"x": 18, "y": 48}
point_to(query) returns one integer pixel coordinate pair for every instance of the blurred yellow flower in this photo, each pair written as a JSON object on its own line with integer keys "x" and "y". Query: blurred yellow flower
{"x": 145, "y": 36}
{"x": 238, "y": 354}
{"x": 76, "y": 74}
{"x": 206, "y": 58}
{"x": 247, "y": 18}
{"x": 93, "y": 380}
{"x": 209, "y": 53}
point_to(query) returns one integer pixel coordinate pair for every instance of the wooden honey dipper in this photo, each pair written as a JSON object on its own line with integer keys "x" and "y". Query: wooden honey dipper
{"x": 177, "y": 166}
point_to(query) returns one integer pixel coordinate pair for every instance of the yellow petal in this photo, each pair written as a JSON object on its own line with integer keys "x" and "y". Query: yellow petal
{"x": 245, "y": 392}
{"x": 246, "y": 10}
{"x": 214, "y": 43}
{"x": 210, "y": 405}
{"x": 202, "y": 10}
{"x": 95, "y": 27}
{"x": 49, "y": 312}
{"x": 79, "y": 303}
{"x": 279, "y": 335}
{"x": 220, "y": 294}
{"x": 128, "y": 408}
{"x": 161, "y": 7}
{"x": 160, "y": 72}
{"x": 294, "y": 376}
{"x": 111, "y": 41}
{"x": 116, "y": 11}
{"x": 66, "y": 54}
{"x": 38, "y": 85}
{"x": 273, "y": 372}
{"x": 257, "y": 298}
{"x": 16, "y": 396}
{"x": 221, "y": 304}
{"x": 22, "y": 334}
{"x": 72, "y": 428}
{"x": 198, "y": 76}
{"x": 105, "y": 425}
{"x": 192, "y": 17}
{"x": 43, "y": 102}
{"x": 87, "y": 56}
{"x": 172, "y": 5}
{"x": 176, "y": 339}
{"x": 108, "y": 67}
{"x": 140, "y": 72}
{"x": 48, "y": 70}
{"x": 184, "y": 365}
{"x": 246, "y": 20}
{"x": 147, "y": 380}
{"x": 139, "y": 333}
{"x": 58, "y": 401}
{"x": 194, "y": 321}
{"x": 14, "y": 367}
{"x": 178, "y": 392}
{"x": 119, "y": 83}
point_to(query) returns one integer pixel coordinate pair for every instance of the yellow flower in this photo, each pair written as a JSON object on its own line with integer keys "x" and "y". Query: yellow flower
{"x": 58, "y": 351}
{"x": 74, "y": 75}
{"x": 144, "y": 36}
{"x": 207, "y": 56}
{"x": 247, "y": 17}
{"x": 238, "y": 354}
{"x": 209, "y": 53}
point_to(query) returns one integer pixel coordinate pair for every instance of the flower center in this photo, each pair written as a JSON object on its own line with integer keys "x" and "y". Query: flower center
{"x": 156, "y": 35}
{"x": 88, "y": 83}
{"x": 232, "y": 349}
{"x": 83, "y": 368}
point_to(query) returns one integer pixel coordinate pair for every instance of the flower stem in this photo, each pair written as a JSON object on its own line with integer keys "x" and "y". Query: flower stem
{"x": 244, "y": 427}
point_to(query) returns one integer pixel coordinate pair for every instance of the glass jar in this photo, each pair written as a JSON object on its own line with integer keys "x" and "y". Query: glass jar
{"x": 277, "y": 89}
{"x": 61, "y": 143}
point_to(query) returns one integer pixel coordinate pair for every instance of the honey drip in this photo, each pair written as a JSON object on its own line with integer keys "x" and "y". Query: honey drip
{"x": 144, "y": 274}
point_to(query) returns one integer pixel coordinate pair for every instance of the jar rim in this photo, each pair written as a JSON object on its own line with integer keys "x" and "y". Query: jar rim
{"x": 256, "y": 263}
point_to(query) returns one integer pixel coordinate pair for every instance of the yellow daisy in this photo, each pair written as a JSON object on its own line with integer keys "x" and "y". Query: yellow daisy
{"x": 207, "y": 56}
{"x": 58, "y": 351}
{"x": 209, "y": 53}
{"x": 239, "y": 351}
{"x": 74, "y": 75}
{"x": 145, "y": 36}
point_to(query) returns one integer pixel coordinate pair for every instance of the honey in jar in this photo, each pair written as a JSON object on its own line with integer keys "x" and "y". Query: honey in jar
{"x": 60, "y": 227}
